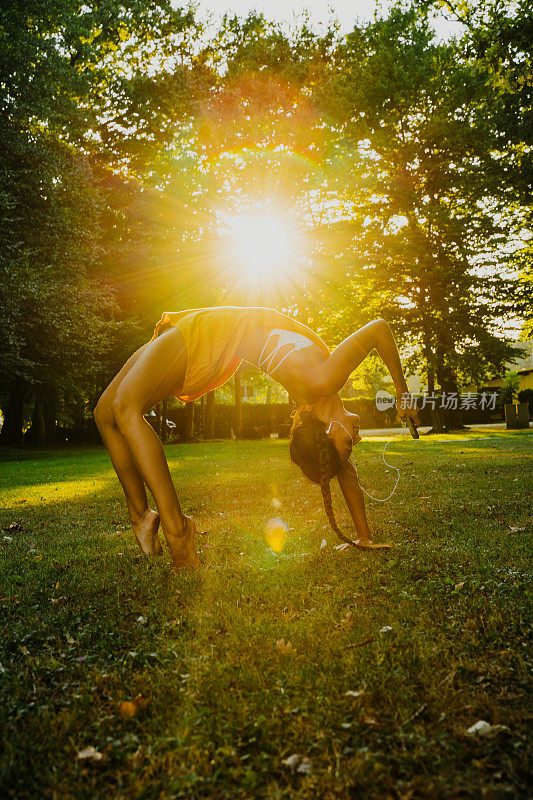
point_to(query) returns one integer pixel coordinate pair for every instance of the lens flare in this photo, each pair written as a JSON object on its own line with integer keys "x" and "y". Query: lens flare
{"x": 276, "y": 534}
{"x": 262, "y": 247}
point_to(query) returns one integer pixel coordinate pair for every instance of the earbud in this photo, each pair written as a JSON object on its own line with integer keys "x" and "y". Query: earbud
{"x": 342, "y": 426}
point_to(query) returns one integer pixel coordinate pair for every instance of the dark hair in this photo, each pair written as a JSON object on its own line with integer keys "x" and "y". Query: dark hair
{"x": 316, "y": 455}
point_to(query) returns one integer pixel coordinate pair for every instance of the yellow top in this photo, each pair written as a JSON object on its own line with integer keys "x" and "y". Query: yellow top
{"x": 213, "y": 337}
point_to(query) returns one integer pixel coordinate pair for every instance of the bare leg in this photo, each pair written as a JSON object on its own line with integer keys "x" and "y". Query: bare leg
{"x": 158, "y": 370}
{"x": 144, "y": 521}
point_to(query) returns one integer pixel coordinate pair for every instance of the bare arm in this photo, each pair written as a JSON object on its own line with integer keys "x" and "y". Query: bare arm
{"x": 347, "y": 356}
{"x": 353, "y": 494}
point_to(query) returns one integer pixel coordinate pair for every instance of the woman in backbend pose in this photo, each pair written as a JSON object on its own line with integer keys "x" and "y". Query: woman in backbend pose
{"x": 192, "y": 352}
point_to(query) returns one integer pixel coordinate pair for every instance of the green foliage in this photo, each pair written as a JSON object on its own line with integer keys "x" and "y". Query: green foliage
{"x": 428, "y": 194}
{"x": 68, "y": 71}
{"x": 510, "y": 387}
{"x": 399, "y": 160}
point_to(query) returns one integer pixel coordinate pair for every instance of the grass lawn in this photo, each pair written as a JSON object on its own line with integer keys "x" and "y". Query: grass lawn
{"x": 386, "y": 660}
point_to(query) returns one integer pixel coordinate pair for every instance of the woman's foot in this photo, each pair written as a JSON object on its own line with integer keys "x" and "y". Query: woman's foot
{"x": 145, "y": 530}
{"x": 364, "y": 544}
{"x": 183, "y": 548}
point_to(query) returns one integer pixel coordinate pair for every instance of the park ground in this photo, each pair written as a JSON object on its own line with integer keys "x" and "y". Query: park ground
{"x": 309, "y": 673}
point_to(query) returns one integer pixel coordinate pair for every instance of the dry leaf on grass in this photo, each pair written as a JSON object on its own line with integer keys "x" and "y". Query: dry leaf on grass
{"x": 298, "y": 764}
{"x": 89, "y": 754}
{"x": 483, "y": 728}
{"x": 292, "y": 761}
{"x": 129, "y": 708}
{"x": 304, "y": 766}
{"x": 347, "y": 622}
{"x": 285, "y": 648}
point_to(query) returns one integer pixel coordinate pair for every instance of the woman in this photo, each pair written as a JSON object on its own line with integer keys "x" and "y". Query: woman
{"x": 192, "y": 352}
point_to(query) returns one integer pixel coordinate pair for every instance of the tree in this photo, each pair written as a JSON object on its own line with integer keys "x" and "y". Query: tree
{"x": 72, "y": 74}
{"x": 428, "y": 206}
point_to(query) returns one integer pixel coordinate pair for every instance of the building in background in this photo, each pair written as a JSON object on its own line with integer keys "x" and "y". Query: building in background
{"x": 522, "y": 366}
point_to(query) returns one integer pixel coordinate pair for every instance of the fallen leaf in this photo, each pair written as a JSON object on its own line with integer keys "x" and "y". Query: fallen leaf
{"x": 89, "y": 754}
{"x": 142, "y": 620}
{"x": 285, "y": 648}
{"x": 129, "y": 708}
{"x": 483, "y": 728}
{"x": 304, "y": 766}
{"x": 347, "y": 622}
{"x": 292, "y": 761}
{"x": 352, "y": 693}
{"x": 370, "y": 721}
{"x": 460, "y": 585}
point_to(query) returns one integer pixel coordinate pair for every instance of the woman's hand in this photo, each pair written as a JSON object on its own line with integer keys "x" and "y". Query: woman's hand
{"x": 406, "y": 407}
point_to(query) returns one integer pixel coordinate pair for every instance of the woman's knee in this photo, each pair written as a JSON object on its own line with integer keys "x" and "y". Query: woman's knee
{"x": 103, "y": 414}
{"x": 124, "y": 410}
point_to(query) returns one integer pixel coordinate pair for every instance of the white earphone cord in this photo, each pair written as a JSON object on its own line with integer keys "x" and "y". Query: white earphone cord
{"x": 384, "y": 499}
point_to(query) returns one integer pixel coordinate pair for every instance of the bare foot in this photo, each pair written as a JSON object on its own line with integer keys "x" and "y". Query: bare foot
{"x": 368, "y": 544}
{"x": 183, "y": 548}
{"x": 145, "y": 530}
{"x": 364, "y": 544}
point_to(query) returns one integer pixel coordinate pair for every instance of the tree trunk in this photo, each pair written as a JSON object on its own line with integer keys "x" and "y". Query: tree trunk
{"x": 210, "y": 416}
{"x": 453, "y": 417}
{"x": 11, "y": 433}
{"x": 188, "y": 432}
{"x": 431, "y": 380}
{"x": 238, "y": 405}
{"x": 50, "y": 414}
{"x": 444, "y": 419}
{"x": 38, "y": 428}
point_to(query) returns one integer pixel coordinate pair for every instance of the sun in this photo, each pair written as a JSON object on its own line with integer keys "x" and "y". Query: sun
{"x": 262, "y": 245}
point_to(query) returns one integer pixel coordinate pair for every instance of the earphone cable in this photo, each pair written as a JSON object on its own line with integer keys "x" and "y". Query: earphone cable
{"x": 384, "y": 499}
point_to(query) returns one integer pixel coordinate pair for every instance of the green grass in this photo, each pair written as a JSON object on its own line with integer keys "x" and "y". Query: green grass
{"x": 88, "y": 623}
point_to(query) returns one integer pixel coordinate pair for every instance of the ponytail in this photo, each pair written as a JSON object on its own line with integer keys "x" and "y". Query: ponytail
{"x": 317, "y": 457}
